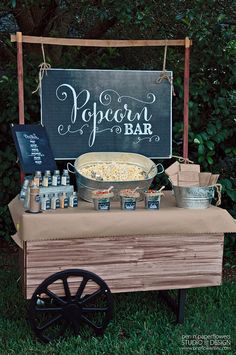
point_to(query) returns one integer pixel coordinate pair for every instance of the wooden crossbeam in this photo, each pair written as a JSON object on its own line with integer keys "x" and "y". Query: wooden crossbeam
{"x": 102, "y": 42}
{"x": 186, "y": 42}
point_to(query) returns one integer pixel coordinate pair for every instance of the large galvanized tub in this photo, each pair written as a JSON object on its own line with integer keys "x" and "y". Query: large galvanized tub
{"x": 86, "y": 185}
{"x": 196, "y": 197}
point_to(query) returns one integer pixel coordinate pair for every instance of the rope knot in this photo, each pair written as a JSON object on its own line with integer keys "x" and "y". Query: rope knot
{"x": 164, "y": 75}
{"x": 43, "y": 67}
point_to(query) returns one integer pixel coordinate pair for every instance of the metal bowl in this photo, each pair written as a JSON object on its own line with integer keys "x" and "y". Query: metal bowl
{"x": 86, "y": 185}
{"x": 193, "y": 197}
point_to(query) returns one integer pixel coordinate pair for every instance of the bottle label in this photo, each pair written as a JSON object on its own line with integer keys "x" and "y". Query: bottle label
{"x": 66, "y": 202}
{"x": 63, "y": 180}
{"x": 57, "y": 203}
{"x": 49, "y": 180}
{"x": 54, "y": 180}
{"x": 45, "y": 181}
{"x": 48, "y": 205}
{"x": 37, "y": 198}
{"x": 43, "y": 205}
{"x": 75, "y": 202}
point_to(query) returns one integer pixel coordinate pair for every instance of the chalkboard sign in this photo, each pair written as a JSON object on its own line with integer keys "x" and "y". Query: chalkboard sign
{"x": 33, "y": 148}
{"x": 107, "y": 110}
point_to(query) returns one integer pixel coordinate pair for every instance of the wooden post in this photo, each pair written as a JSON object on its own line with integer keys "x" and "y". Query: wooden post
{"x": 20, "y": 77}
{"x": 20, "y": 85}
{"x": 186, "y": 96}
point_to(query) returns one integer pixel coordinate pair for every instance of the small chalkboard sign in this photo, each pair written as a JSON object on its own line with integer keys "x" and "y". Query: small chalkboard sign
{"x": 33, "y": 148}
{"x": 86, "y": 110}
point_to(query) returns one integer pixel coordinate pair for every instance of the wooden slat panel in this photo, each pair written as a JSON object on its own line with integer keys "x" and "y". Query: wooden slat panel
{"x": 131, "y": 263}
{"x": 100, "y": 42}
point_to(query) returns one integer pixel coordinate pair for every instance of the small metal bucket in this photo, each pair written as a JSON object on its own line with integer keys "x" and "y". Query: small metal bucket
{"x": 128, "y": 203}
{"x": 196, "y": 197}
{"x": 152, "y": 202}
{"x": 102, "y": 204}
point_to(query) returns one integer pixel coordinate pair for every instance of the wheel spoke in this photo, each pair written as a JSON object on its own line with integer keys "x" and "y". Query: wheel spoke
{"x": 94, "y": 310}
{"x": 54, "y": 296}
{"x": 90, "y": 323}
{"x": 66, "y": 288}
{"x": 81, "y": 288}
{"x": 76, "y": 326}
{"x": 64, "y": 327}
{"x": 50, "y": 322}
{"x": 93, "y": 296}
{"x": 48, "y": 309}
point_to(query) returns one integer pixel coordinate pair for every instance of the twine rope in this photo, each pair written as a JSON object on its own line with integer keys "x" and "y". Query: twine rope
{"x": 164, "y": 75}
{"x": 218, "y": 190}
{"x": 183, "y": 160}
{"x": 43, "y": 67}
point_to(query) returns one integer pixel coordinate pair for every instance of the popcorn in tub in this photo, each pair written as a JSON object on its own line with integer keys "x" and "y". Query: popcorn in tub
{"x": 112, "y": 171}
{"x": 128, "y": 199}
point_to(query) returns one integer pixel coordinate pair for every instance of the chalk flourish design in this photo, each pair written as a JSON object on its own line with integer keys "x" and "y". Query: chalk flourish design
{"x": 155, "y": 139}
{"x": 69, "y": 130}
{"x": 117, "y": 129}
{"x": 105, "y": 97}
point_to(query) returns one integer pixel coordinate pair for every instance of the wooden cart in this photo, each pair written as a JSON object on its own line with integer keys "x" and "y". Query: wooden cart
{"x": 68, "y": 274}
{"x": 69, "y": 278}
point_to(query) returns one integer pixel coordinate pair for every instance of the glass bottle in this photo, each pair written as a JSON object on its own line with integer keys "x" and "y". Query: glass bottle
{"x": 65, "y": 179}
{"x": 49, "y": 176}
{"x": 74, "y": 200}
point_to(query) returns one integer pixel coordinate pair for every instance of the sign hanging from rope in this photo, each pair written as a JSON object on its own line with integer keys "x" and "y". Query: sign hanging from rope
{"x": 107, "y": 110}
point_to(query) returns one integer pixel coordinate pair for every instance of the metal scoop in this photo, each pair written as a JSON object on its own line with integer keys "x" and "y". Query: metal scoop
{"x": 96, "y": 176}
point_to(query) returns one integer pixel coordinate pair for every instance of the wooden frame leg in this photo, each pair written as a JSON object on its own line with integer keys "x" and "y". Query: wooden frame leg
{"x": 176, "y": 307}
{"x": 181, "y": 304}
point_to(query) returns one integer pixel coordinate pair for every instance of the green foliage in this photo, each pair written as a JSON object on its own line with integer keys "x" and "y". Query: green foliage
{"x": 213, "y": 75}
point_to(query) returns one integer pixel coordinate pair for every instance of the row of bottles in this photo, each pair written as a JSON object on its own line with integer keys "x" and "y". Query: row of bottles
{"x": 35, "y": 203}
{"x": 52, "y": 180}
{"x": 62, "y": 200}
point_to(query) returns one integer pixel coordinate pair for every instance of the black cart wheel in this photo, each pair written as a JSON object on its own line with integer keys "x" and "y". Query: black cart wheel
{"x": 73, "y": 298}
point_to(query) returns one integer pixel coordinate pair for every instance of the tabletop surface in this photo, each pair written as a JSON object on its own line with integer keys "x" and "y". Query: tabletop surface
{"x": 85, "y": 221}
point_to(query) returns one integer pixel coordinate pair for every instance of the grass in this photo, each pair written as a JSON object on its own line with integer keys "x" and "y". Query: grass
{"x": 141, "y": 324}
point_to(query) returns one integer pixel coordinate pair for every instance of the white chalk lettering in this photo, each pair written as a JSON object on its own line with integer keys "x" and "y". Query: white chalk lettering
{"x": 139, "y": 129}
{"x": 31, "y": 136}
{"x": 85, "y": 111}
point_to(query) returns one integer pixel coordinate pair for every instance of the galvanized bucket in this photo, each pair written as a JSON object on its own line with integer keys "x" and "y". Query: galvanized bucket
{"x": 86, "y": 185}
{"x": 196, "y": 197}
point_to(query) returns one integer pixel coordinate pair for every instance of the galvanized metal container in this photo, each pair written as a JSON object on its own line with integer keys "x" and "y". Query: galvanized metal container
{"x": 86, "y": 186}
{"x": 194, "y": 197}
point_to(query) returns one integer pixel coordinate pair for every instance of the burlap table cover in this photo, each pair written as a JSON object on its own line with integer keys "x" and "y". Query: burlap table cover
{"x": 84, "y": 221}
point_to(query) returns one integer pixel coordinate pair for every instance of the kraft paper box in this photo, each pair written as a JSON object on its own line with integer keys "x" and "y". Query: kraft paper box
{"x": 190, "y": 167}
{"x": 188, "y": 178}
{"x": 173, "y": 169}
{"x": 204, "y": 179}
